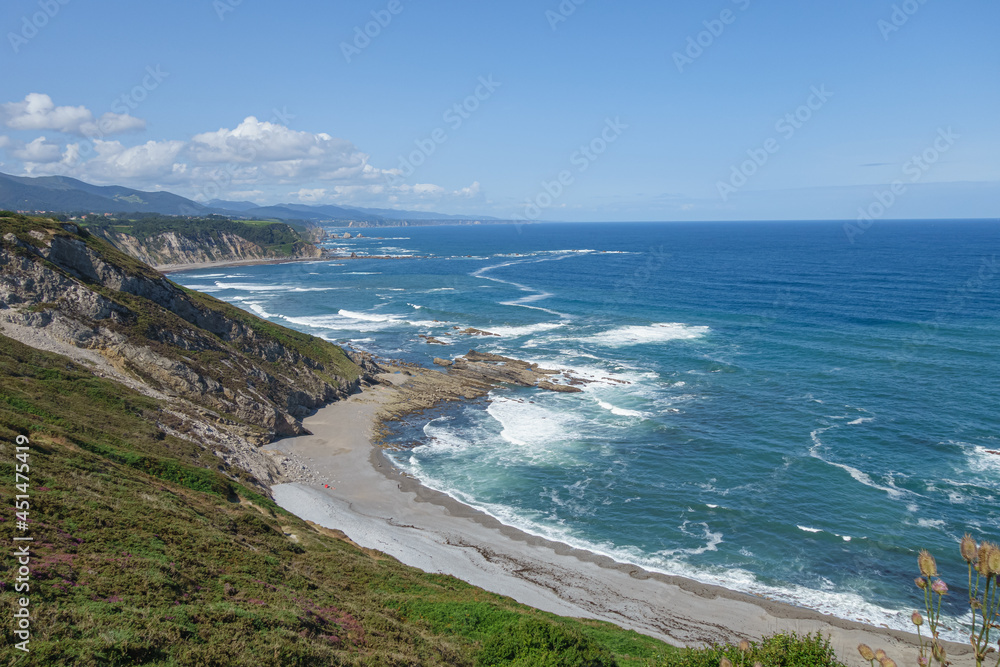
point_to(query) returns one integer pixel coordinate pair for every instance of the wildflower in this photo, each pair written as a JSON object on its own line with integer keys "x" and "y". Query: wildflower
{"x": 866, "y": 652}
{"x": 880, "y": 655}
{"x": 920, "y": 582}
{"x": 922, "y": 661}
{"x": 744, "y": 645}
{"x": 725, "y": 662}
{"x": 887, "y": 662}
{"x": 918, "y": 620}
{"x": 994, "y": 560}
{"x": 927, "y": 564}
{"x": 968, "y": 548}
{"x": 983, "y": 564}
{"x": 939, "y": 587}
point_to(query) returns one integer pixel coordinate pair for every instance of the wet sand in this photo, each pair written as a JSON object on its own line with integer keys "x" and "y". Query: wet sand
{"x": 378, "y": 507}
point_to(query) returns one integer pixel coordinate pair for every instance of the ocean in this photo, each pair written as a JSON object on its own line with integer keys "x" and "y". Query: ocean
{"x": 773, "y": 408}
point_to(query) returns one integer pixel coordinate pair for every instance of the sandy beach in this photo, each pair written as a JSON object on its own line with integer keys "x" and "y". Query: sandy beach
{"x": 380, "y": 508}
{"x": 201, "y": 266}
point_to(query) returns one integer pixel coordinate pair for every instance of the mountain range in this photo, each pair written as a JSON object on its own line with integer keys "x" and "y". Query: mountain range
{"x": 62, "y": 194}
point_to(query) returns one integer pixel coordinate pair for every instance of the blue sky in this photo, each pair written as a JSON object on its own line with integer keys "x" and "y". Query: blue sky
{"x": 571, "y": 110}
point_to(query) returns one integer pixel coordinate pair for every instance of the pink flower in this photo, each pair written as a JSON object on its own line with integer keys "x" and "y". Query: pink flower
{"x": 922, "y": 661}
{"x": 939, "y": 587}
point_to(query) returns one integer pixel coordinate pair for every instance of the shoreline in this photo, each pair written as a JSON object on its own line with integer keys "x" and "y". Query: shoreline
{"x": 380, "y": 507}
{"x": 200, "y": 266}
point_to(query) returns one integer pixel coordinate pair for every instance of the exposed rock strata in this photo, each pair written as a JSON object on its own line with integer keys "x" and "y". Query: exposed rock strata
{"x": 226, "y": 379}
{"x": 172, "y": 248}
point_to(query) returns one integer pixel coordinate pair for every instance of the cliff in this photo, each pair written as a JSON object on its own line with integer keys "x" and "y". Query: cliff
{"x": 172, "y": 248}
{"x": 224, "y": 374}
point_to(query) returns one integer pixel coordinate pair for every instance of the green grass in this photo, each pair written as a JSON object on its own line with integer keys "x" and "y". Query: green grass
{"x": 145, "y": 554}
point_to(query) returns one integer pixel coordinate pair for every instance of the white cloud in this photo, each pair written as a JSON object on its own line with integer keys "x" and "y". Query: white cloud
{"x": 310, "y": 196}
{"x": 112, "y": 123}
{"x": 286, "y": 153}
{"x": 39, "y": 112}
{"x": 256, "y": 160}
{"x": 38, "y": 151}
{"x": 152, "y": 161}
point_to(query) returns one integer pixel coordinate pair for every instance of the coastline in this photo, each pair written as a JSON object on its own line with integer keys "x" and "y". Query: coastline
{"x": 380, "y": 507}
{"x": 200, "y": 266}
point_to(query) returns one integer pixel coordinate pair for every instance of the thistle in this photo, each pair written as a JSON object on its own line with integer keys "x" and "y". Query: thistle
{"x": 744, "y": 646}
{"x": 927, "y": 564}
{"x": 983, "y": 559}
{"x": 866, "y": 652}
{"x": 917, "y": 619}
{"x": 920, "y": 582}
{"x": 725, "y": 662}
{"x": 994, "y": 560}
{"x": 939, "y": 587}
{"x": 880, "y": 655}
{"x": 968, "y": 548}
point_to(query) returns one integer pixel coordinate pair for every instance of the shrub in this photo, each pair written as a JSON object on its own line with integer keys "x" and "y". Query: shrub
{"x": 534, "y": 643}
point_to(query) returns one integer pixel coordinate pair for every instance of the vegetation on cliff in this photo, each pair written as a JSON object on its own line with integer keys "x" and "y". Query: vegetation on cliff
{"x": 71, "y": 290}
{"x": 161, "y": 240}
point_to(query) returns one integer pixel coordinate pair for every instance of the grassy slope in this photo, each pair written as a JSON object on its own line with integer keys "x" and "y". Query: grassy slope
{"x": 142, "y": 559}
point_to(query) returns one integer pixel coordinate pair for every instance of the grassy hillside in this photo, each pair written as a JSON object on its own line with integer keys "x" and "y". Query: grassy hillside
{"x": 141, "y": 558}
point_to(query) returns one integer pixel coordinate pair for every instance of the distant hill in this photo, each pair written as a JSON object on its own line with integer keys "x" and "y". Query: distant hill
{"x": 393, "y": 214}
{"x": 62, "y": 194}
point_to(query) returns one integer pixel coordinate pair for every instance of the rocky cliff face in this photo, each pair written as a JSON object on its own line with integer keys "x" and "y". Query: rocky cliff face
{"x": 221, "y": 369}
{"x": 172, "y": 248}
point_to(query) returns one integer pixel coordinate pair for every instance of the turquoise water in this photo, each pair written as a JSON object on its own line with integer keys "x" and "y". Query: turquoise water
{"x": 773, "y": 408}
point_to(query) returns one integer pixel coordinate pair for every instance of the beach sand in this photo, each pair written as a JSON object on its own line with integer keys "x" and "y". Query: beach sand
{"x": 201, "y": 266}
{"x": 380, "y": 508}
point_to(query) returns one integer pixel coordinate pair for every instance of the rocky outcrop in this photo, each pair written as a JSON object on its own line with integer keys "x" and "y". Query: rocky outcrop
{"x": 58, "y": 283}
{"x": 173, "y": 248}
{"x": 472, "y": 376}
